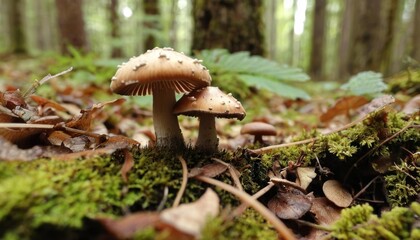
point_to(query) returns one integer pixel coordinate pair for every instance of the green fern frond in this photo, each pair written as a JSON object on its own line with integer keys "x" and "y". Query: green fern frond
{"x": 255, "y": 71}
{"x": 365, "y": 83}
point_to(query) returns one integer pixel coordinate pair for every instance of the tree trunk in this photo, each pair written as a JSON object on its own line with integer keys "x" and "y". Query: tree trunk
{"x": 71, "y": 25}
{"x": 318, "y": 37}
{"x": 235, "y": 25}
{"x": 16, "y": 27}
{"x": 271, "y": 31}
{"x": 151, "y": 9}
{"x": 369, "y": 32}
{"x": 416, "y": 33}
{"x": 344, "y": 46}
{"x": 114, "y": 20}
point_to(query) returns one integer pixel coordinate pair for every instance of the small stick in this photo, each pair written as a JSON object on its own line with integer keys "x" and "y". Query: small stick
{"x": 283, "y": 231}
{"x": 364, "y": 189}
{"x": 26, "y": 125}
{"x": 241, "y": 208}
{"x": 37, "y": 83}
{"x": 232, "y": 172}
{"x": 184, "y": 182}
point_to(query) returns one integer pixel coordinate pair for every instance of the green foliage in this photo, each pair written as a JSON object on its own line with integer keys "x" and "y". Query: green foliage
{"x": 249, "y": 225}
{"x": 407, "y": 81}
{"x": 229, "y": 68}
{"x": 41, "y": 192}
{"x": 358, "y": 222}
{"x": 86, "y": 67}
{"x": 365, "y": 83}
{"x": 403, "y": 183}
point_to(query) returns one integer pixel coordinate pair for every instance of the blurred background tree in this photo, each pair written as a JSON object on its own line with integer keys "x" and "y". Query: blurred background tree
{"x": 329, "y": 39}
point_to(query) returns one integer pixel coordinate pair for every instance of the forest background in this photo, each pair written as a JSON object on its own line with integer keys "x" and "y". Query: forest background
{"x": 328, "y": 39}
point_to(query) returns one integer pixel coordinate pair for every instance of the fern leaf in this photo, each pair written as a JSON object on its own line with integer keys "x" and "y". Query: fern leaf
{"x": 365, "y": 83}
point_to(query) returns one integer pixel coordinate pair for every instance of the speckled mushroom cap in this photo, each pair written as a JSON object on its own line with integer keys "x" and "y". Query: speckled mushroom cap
{"x": 209, "y": 100}
{"x": 259, "y": 128}
{"x": 159, "y": 68}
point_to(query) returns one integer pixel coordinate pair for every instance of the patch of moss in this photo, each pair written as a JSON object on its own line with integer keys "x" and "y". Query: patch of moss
{"x": 62, "y": 193}
{"x": 250, "y": 225}
{"x": 358, "y": 222}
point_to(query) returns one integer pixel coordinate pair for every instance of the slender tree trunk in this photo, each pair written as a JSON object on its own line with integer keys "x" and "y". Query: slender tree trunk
{"x": 174, "y": 26}
{"x": 114, "y": 20}
{"x": 416, "y": 33}
{"x": 344, "y": 46}
{"x": 151, "y": 9}
{"x": 71, "y": 25}
{"x": 232, "y": 24}
{"x": 292, "y": 44}
{"x": 271, "y": 29}
{"x": 369, "y": 36}
{"x": 318, "y": 39}
{"x": 16, "y": 26}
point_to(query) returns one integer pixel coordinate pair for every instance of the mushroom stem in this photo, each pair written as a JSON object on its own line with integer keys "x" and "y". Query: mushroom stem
{"x": 207, "y": 135}
{"x": 168, "y": 133}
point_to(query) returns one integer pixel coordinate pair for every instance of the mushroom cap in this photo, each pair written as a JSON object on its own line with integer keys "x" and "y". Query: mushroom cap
{"x": 159, "y": 68}
{"x": 259, "y": 128}
{"x": 209, "y": 100}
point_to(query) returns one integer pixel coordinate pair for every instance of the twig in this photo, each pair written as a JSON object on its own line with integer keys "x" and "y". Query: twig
{"x": 164, "y": 199}
{"x": 364, "y": 189}
{"x": 283, "y": 231}
{"x": 375, "y": 148}
{"x": 273, "y": 147}
{"x": 26, "y": 125}
{"x": 241, "y": 208}
{"x": 233, "y": 173}
{"x": 37, "y": 83}
{"x": 313, "y": 225}
{"x": 184, "y": 182}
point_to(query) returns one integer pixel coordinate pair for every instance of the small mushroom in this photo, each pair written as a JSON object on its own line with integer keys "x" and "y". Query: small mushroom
{"x": 159, "y": 72}
{"x": 259, "y": 129}
{"x": 209, "y": 103}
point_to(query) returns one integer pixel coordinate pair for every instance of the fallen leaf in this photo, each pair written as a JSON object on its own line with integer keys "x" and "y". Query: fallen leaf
{"x": 412, "y": 106}
{"x": 127, "y": 165}
{"x": 343, "y": 106}
{"x": 126, "y": 227}
{"x": 289, "y": 203}
{"x": 11, "y": 152}
{"x": 305, "y": 176}
{"x": 325, "y": 211}
{"x": 336, "y": 193}
{"x": 209, "y": 170}
{"x": 190, "y": 218}
{"x": 376, "y": 105}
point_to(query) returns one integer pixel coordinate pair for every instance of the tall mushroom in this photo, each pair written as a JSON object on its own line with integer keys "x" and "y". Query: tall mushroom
{"x": 161, "y": 72}
{"x": 207, "y": 104}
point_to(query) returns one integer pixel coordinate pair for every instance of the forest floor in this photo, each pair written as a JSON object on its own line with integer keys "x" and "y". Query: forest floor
{"x": 78, "y": 162}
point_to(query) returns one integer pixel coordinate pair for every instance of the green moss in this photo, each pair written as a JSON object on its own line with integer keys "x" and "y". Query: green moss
{"x": 63, "y": 193}
{"x": 358, "y": 222}
{"x": 250, "y": 225}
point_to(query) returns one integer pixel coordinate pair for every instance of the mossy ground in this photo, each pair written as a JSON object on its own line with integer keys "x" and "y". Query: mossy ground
{"x": 49, "y": 196}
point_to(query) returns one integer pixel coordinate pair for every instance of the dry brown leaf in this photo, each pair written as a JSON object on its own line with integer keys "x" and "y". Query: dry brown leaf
{"x": 376, "y": 104}
{"x": 45, "y": 103}
{"x": 336, "y": 193}
{"x": 209, "y": 170}
{"x": 305, "y": 176}
{"x": 190, "y": 218}
{"x": 84, "y": 154}
{"x": 343, "y": 106}
{"x": 412, "y": 106}
{"x": 58, "y": 137}
{"x": 325, "y": 211}
{"x": 126, "y": 227}
{"x": 289, "y": 203}
{"x": 119, "y": 142}
{"x": 78, "y": 144}
{"x": 128, "y": 164}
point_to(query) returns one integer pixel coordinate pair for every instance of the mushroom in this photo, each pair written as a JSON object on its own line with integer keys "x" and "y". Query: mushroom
{"x": 161, "y": 72}
{"x": 259, "y": 129}
{"x": 207, "y": 104}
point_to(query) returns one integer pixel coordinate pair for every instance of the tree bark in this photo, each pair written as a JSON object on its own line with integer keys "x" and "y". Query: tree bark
{"x": 416, "y": 33}
{"x": 369, "y": 33}
{"x": 318, "y": 39}
{"x": 114, "y": 20}
{"x": 344, "y": 46}
{"x": 16, "y": 27}
{"x": 151, "y": 9}
{"x": 71, "y": 25}
{"x": 232, "y": 24}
